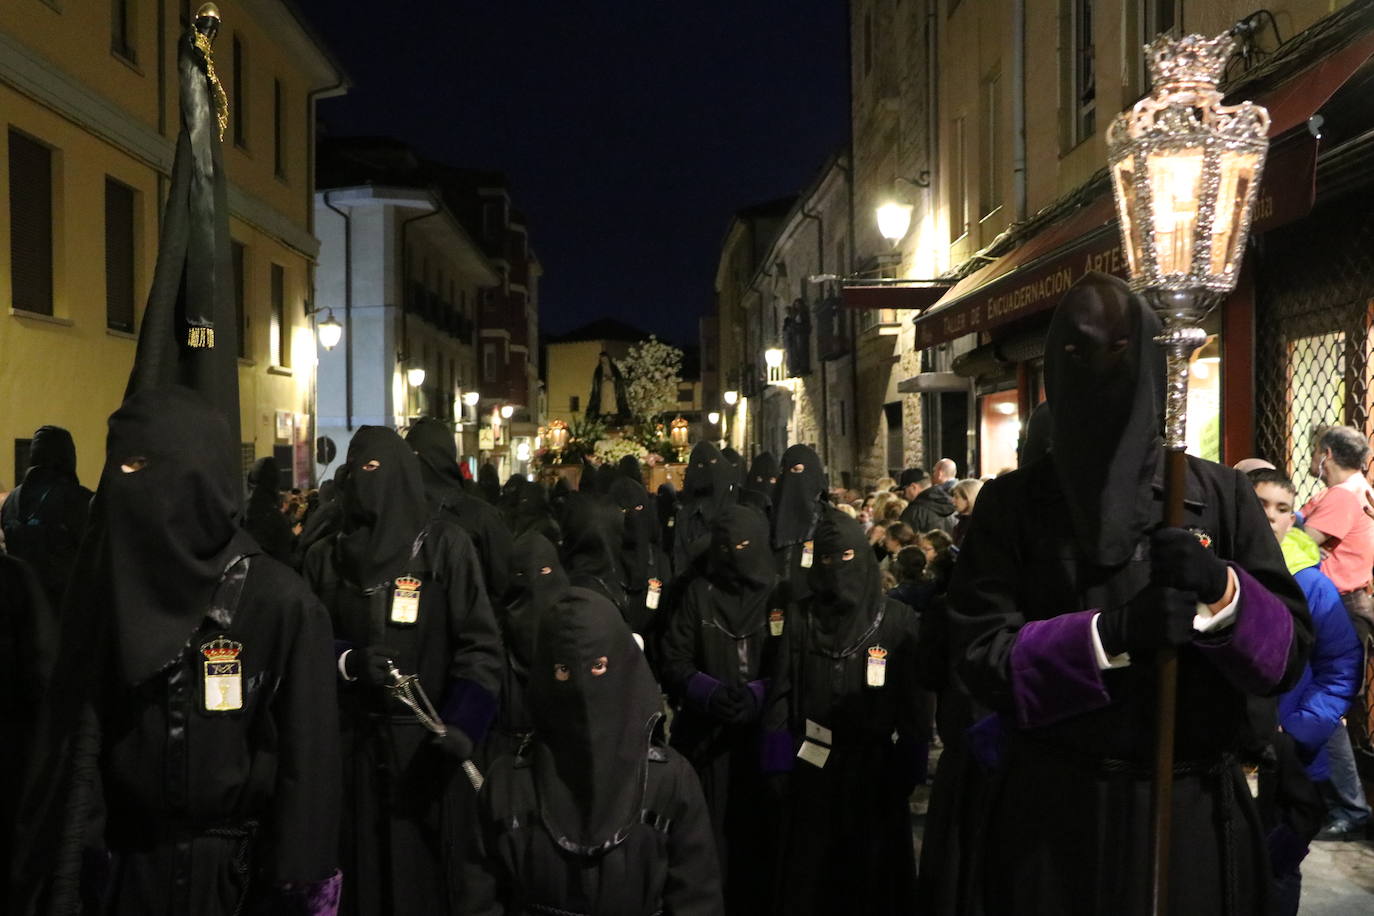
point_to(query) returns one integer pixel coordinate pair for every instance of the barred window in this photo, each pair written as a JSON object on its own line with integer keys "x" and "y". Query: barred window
{"x": 119, "y": 256}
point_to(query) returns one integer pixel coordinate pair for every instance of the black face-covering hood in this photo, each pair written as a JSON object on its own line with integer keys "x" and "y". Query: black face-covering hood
{"x": 629, "y": 466}
{"x": 489, "y": 483}
{"x": 1104, "y": 377}
{"x": 708, "y": 480}
{"x": 763, "y": 474}
{"x": 592, "y": 730}
{"x": 171, "y": 524}
{"x": 845, "y": 594}
{"x": 263, "y": 491}
{"x": 605, "y": 478}
{"x": 537, "y": 581}
{"x": 432, "y": 442}
{"x": 736, "y": 463}
{"x": 740, "y": 567}
{"x": 797, "y": 499}
{"x": 592, "y": 534}
{"x": 639, "y": 534}
{"x": 384, "y": 509}
{"x": 52, "y": 449}
{"x": 1036, "y": 443}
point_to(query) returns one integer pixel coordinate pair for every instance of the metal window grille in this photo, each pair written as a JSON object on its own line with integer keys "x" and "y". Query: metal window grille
{"x": 1315, "y": 302}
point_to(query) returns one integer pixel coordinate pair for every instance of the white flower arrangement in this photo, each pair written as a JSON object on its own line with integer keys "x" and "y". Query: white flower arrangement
{"x": 611, "y": 451}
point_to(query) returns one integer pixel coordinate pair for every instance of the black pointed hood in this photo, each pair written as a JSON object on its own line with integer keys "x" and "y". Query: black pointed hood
{"x": 740, "y": 568}
{"x": 384, "y": 508}
{"x": 595, "y": 706}
{"x": 735, "y": 461}
{"x": 799, "y": 496}
{"x": 707, "y": 485}
{"x": 537, "y": 582}
{"x": 763, "y": 475}
{"x": 171, "y": 522}
{"x": 1104, "y": 377}
{"x": 592, "y": 535}
{"x": 432, "y": 442}
{"x": 629, "y": 466}
{"x": 846, "y": 588}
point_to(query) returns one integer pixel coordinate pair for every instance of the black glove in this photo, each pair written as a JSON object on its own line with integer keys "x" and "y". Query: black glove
{"x": 371, "y": 665}
{"x": 1155, "y": 618}
{"x": 454, "y": 743}
{"x": 1178, "y": 560}
{"x": 724, "y": 704}
{"x": 747, "y": 704}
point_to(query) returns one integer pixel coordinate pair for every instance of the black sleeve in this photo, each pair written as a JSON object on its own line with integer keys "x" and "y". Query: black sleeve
{"x": 477, "y": 656}
{"x": 498, "y": 552}
{"x": 678, "y": 645}
{"x": 305, "y": 827}
{"x": 693, "y": 884}
{"x": 483, "y": 874}
{"x": 932, "y": 646}
{"x": 910, "y": 710}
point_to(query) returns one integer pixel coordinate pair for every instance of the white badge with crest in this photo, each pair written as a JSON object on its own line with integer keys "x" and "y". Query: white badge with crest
{"x": 223, "y": 675}
{"x": 405, "y": 600}
{"x": 808, "y": 554}
{"x": 651, "y": 596}
{"x": 775, "y": 622}
{"x": 877, "y": 666}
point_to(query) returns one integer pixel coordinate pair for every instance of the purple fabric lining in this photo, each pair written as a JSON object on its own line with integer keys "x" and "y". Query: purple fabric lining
{"x": 1054, "y": 673}
{"x": 469, "y": 706}
{"x": 1253, "y": 652}
{"x": 313, "y": 898}
{"x": 700, "y": 686}
{"x": 987, "y": 740}
{"x": 777, "y": 751}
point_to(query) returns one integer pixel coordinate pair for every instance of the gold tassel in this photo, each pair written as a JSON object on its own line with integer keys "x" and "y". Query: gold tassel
{"x": 200, "y": 338}
{"x": 221, "y": 99}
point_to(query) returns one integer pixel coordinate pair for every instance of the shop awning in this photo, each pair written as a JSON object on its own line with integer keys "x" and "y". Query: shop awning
{"x": 1034, "y": 276}
{"x": 913, "y": 295}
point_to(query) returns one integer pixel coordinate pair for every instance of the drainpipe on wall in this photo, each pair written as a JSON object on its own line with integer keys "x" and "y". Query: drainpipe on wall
{"x": 405, "y": 273}
{"x": 825, "y": 401}
{"x": 348, "y": 311}
{"x": 1018, "y": 108}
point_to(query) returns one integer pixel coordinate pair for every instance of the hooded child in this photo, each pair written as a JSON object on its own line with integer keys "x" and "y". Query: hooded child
{"x": 845, "y": 686}
{"x": 798, "y": 501}
{"x": 218, "y": 747}
{"x": 44, "y": 518}
{"x": 1062, "y": 594}
{"x": 404, "y": 591}
{"x": 594, "y": 815}
{"x": 432, "y": 441}
{"x": 725, "y": 629}
{"x": 759, "y": 483}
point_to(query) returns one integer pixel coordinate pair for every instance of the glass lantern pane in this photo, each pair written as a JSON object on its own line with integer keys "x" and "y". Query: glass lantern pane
{"x": 1128, "y": 210}
{"x": 1233, "y": 194}
{"x": 1175, "y": 187}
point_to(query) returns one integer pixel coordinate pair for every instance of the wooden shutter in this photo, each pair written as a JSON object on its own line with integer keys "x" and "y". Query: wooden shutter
{"x": 119, "y": 256}
{"x": 30, "y": 224}
{"x": 281, "y": 327}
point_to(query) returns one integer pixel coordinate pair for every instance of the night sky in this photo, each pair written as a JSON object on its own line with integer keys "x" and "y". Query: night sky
{"x": 631, "y": 130}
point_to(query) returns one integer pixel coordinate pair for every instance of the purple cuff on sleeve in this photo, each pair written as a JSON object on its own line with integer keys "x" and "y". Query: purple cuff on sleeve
{"x": 312, "y": 898}
{"x": 1054, "y": 673}
{"x": 469, "y": 706}
{"x": 777, "y": 750}
{"x": 699, "y": 689}
{"x": 1252, "y": 653}
{"x": 340, "y": 647}
{"x": 987, "y": 742}
{"x": 760, "y": 689}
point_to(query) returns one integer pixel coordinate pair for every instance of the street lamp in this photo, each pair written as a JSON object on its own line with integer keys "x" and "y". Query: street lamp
{"x": 416, "y": 376}
{"x": 507, "y": 411}
{"x": 329, "y": 331}
{"x": 713, "y": 418}
{"x": 471, "y": 398}
{"x": 894, "y": 221}
{"x": 773, "y": 357}
{"x": 731, "y": 398}
{"x": 1185, "y": 171}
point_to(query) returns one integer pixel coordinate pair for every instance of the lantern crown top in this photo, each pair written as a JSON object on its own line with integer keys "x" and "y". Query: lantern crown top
{"x": 1192, "y": 59}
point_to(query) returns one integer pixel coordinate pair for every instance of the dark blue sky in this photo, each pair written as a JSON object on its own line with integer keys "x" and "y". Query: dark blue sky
{"x": 630, "y": 129}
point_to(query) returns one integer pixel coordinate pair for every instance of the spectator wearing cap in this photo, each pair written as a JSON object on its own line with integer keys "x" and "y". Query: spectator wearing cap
{"x": 928, "y": 506}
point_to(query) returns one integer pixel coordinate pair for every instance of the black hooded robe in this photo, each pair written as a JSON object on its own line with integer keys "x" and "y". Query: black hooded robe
{"x": 404, "y": 800}
{"x": 433, "y": 443}
{"x": 798, "y": 501}
{"x": 847, "y": 679}
{"x": 1067, "y": 758}
{"x": 593, "y": 529}
{"x": 263, "y": 518}
{"x": 707, "y": 489}
{"x": 593, "y": 816}
{"x": 724, "y": 630}
{"x": 45, "y": 516}
{"x": 646, "y": 573}
{"x": 759, "y": 484}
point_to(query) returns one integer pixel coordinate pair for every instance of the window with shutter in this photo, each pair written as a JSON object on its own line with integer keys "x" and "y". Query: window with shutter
{"x": 236, "y": 98}
{"x": 278, "y": 127}
{"x": 119, "y": 256}
{"x": 30, "y": 224}
{"x": 240, "y": 313}
{"x": 281, "y": 323}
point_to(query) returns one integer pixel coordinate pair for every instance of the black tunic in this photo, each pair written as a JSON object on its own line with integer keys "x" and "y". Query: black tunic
{"x": 846, "y": 843}
{"x": 702, "y": 650}
{"x": 401, "y": 794}
{"x": 1066, "y": 830}
{"x": 213, "y": 811}
{"x": 665, "y": 863}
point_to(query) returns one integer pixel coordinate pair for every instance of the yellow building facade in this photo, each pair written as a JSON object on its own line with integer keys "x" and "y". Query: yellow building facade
{"x": 88, "y": 123}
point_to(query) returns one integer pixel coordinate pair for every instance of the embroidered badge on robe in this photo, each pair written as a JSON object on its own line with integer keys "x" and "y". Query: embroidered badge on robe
{"x": 877, "y": 666}
{"x": 775, "y": 622}
{"x": 405, "y": 601}
{"x": 808, "y": 554}
{"x": 651, "y": 597}
{"x": 223, "y": 675}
